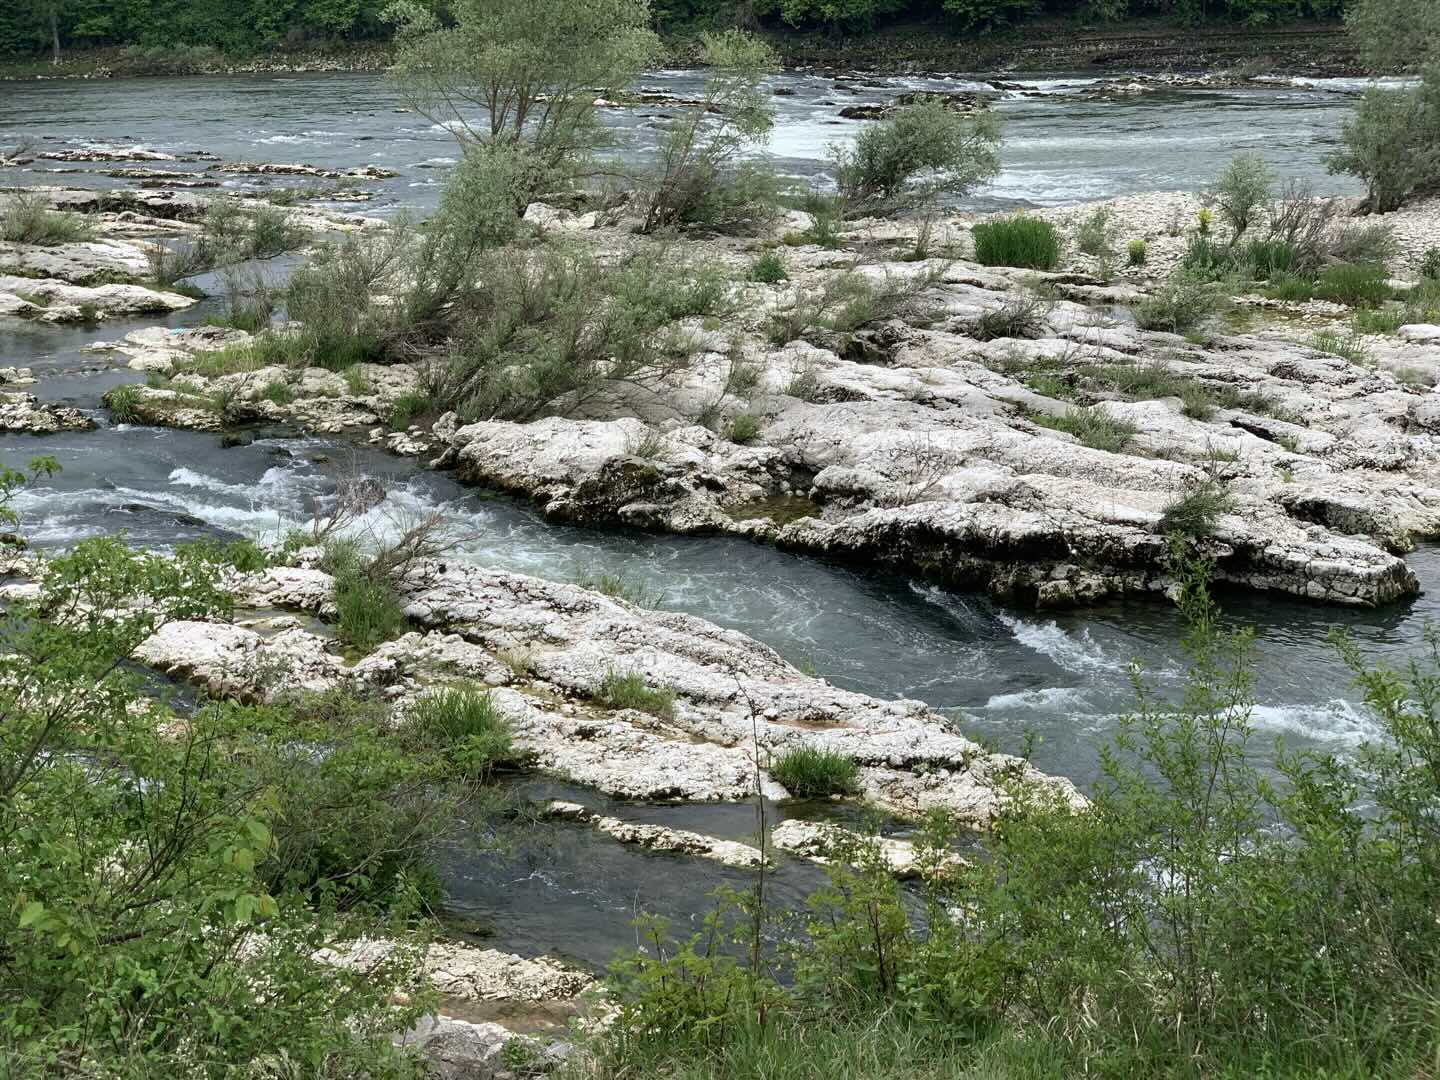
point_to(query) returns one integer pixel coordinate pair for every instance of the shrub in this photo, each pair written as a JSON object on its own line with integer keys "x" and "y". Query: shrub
{"x": 541, "y": 60}
{"x": 1194, "y": 512}
{"x": 1358, "y": 285}
{"x": 1392, "y": 144}
{"x": 925, "y": 149}
{"x": 1359, "y": 243}
{"x": 1429, "y": 264}
{"x": 407, "y": 407}
{"x": 1243, "y": 189}
{"x": 1138, "y": 251}
{"x": 698, "y": 179}
{"x": 769, "y": 268}
{"x": 556, "y": 326}
{"x": 1290, "y": 287}
{"x": 1092, "y": 427}
{"x": 1092, "y": 235}
{"x": 630, "y": 692}
{"x": 1017, "y": 241}
{"x": 26, "y": 218}
{"x": 1183, "y": 303}
{"x": 465, "y": 722}
{"x": 368, "y": 611}
{"x": 810, "y": 773}
{"x": 744, "y": 427}
{"x": 1021, "y": 316}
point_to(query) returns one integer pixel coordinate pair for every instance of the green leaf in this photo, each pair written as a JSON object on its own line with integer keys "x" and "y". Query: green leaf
{"x": 32, "y": 913}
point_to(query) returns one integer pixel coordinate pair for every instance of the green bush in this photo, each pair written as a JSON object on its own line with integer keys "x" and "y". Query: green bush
{"x": 1429, "y": 264}
{"x": 1291, "y": 287}
{"x": 769, "y": 268}
{"x": 1358, "y": 285}
{"x": 1243, "y": 190}
{"x": 1391, "y": 144}
{"x": 808, "y": 773}
{"x": 699, "y": 179}
{"x": 1017, "y": 241}
{"x": 1138, "y": 251}
{"x": 1182, "y": 303}
{"x": 1361, "y": 243}
{"x": 1021, "y": 316}
{"x": 925, "y": 149}
{"x": 471, "y": 731}
{"x": 630, "y": 692}
{"x": 26, "y": 218}
{"x": 744, "y": 427}
{"x": 1092, "y": 235}
{"x": 1092, "y": 427}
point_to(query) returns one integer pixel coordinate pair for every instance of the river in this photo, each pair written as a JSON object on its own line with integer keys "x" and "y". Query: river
{"x": 1000, "y": 671}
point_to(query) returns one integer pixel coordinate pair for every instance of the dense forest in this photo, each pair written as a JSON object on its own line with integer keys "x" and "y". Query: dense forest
{"x": 241, "y": 26}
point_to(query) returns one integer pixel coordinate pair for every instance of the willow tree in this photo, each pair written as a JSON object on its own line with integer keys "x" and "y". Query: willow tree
{"x": 523, "y": 73}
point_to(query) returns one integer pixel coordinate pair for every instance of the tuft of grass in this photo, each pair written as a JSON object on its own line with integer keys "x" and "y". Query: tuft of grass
{"x": 1350, "y": 348}
{"x": 1138, "y": 252}
{"x": 620, "y": 588}
{"x": 808, "y": 773}
{"x": 1017, "y": 241}
{"x": 1092, "y": 427}
{"x": 368, "y": 611}
{"x": 281, "y": 393}
{"x": 406, "y": 408}
{"x": 124, "y": 404}
{"x": 631, "y": 692}
{"x": 744, "y": 427}
{"x": 465, "y": 722}
{"x": 1382, "y": 320}
{"x": 1355, "y": 284}
{"x": 1195, "y": 511}
{"x": 769, "y": 268}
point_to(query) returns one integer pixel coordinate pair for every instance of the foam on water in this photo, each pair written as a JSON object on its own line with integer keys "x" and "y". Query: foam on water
{"x": 1337, "y": 722}
{"x": 1076, "y": 653}
{"x": 1052, "y": 697}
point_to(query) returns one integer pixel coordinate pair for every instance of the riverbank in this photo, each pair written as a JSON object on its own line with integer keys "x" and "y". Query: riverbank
{"x": 1155, "y": 46}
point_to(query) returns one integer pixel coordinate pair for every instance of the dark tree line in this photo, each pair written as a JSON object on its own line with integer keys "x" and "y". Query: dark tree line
{"x": 242, "y": 26}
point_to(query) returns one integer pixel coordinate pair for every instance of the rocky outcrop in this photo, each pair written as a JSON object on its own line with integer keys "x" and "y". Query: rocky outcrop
{"x": 95, "y": 262}
{"x": 549, "y": 650}
{"x": 24, "y": 412}
{"x": 823, "y": 840}
{"x": 658, "y": 837}
{"x": 53, "y": 300}
{"x": 946, "y": 449}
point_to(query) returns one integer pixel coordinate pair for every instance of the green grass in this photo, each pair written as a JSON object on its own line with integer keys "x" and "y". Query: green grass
{"x": 621, "y": 588}
{"x": 1381, "y": 320}
{"x": 1355, "y": 284}
{"x": 1021, "y": 316}
{"x": 1183, "y": 303}
{"x": 1017, "y": 241}
{"x": 808, "y": 773}
{"x": 281, "y": 393}
{"x": 1138, "y": 251}
{"x": 368, "y": 612}
{"x": 1195, "y": 511}
{"x": 1349, "y": 348}
{"x": 744, "y": 427}
{"x": 466, "y": 723}
{"x": 1092, "y": 427}
{"x": 631, "y": 692}
{"x": 407, "y": 408}
{"x": 124, "y": 404}
{"x": 769, "y": 268}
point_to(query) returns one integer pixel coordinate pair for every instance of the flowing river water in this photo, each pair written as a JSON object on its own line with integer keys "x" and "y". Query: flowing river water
{"x": 1000, "y": 671}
